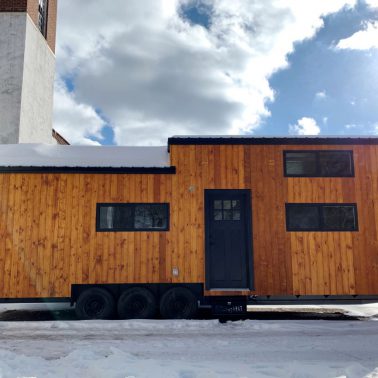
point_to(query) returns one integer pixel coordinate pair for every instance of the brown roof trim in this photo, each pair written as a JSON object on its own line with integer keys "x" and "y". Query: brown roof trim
{"x": 59, "y": 138}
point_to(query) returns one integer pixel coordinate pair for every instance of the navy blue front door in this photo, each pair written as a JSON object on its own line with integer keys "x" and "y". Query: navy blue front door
{"x": 228, "y": 239}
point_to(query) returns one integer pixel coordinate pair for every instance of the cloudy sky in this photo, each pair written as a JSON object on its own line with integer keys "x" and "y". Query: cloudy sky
{"x": 134, "y": 72}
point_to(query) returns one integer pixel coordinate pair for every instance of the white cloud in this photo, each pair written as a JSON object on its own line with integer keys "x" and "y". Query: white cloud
{"x": 321, "y": 95}
{"x": 154, "y": 74}
{"x": 305, "y": 126}
{"x": 362, "y": 129}
{"x": 372, "y": 3}
{"x": 362, "y": 40}
{"x": 350, "y": 126}
{"x": 74, "y": 120}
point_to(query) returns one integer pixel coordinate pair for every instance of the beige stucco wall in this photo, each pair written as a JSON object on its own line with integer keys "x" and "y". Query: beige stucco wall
{"x": 37, "y": 88}
{"x": 27, "y": 67}
{"x": 12, "y": 47}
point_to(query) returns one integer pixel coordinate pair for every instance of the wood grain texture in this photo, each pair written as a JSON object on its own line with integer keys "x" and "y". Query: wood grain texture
{"x": 48, "y": 237}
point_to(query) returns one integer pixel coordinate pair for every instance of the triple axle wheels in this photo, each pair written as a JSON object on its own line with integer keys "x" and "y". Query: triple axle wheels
{"x": 136, "y": 303}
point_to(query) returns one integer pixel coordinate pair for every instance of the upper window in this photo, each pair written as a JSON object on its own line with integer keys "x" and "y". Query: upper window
{"x": 132, "y": 217}
{"x": 321, "y": 217}
{"x": 318, "y": 163}
{"x": 42, "y": 16}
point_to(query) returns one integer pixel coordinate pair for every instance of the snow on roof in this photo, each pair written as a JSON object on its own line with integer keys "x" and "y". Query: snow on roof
{"x": 42, "y": 155}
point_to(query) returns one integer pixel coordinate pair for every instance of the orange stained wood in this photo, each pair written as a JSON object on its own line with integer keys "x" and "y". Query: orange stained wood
{"x": 48, "y": 237}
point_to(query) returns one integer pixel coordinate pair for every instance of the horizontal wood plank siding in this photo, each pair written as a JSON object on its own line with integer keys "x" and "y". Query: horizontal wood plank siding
{"x": 48, "y": 237}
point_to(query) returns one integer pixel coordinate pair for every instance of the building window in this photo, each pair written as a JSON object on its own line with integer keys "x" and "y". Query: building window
{"x": 132, "y": 217}
{"x": 318, "y": 163}
{"x": 42, "y": 16}
{"x": 321, "y": 217}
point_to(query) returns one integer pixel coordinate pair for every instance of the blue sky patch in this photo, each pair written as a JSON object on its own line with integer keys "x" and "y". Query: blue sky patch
{"x": 337, "y": 88}
{"x": 197, "y": 13}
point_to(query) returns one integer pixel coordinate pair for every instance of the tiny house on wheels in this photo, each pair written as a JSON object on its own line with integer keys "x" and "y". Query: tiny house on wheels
{"x": 205, "y": 221}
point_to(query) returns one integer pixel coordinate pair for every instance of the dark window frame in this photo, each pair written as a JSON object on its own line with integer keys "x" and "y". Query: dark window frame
{"x": 43, "y": 12}
{"x": 317, "y": 162}
{"x": 132, "y": 204}
{"x": 321, "y": 219}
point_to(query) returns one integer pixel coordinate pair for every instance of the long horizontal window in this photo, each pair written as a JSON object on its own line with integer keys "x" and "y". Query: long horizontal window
{"x": 321, "y": 217}
{"x": 318, "y": 163}
{"x": 132, "y": 217}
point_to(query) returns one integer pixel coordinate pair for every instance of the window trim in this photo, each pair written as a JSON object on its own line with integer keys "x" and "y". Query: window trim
{"x": 321, "y": 220}
{"x": 317, "y": 153}
{"x": 133, "y": 204}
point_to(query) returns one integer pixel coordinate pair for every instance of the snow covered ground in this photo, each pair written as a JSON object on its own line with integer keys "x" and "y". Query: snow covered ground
{"x": 191, "y": 349}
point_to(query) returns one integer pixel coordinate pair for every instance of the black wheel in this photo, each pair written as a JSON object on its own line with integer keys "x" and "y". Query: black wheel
{"x": 137, "y": 303}
{"x": 178, "y": 303}
{"x": 95, "y": 303}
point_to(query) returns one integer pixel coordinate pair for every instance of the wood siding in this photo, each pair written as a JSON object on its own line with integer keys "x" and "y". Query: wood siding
{"x": 48, "y": 237}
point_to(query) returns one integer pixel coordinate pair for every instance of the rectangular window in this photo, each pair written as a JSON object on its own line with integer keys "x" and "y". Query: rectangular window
{"x": 132, "y": 217}
{"x": 42, "y": 16}
{"x": 321, "y": 217}
{"x": 324, "y": 163}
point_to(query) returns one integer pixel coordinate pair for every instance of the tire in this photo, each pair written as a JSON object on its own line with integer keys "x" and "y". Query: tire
{"x": 137, "y": 303}
{"x": 95, "y": 303}
{"x": 178, "y": 303}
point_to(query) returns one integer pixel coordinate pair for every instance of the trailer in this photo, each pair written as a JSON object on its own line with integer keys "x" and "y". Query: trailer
{"x": 140, "y": 232}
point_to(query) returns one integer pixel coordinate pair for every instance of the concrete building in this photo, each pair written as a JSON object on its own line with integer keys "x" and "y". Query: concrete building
{"x": 27, "y": 67}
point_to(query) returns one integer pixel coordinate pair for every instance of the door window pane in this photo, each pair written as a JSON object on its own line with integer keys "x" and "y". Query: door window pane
{"x": 218, "y": 216}
{"x": 227, "y": 214}
{"x": 217, "y": 204}
{"x": 236, "y": 204}
{"x": 236, "y": 215}
{"x": 227, "y": 205}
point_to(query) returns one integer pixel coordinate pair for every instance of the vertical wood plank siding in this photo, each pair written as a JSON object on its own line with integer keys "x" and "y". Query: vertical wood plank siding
{"x": 48, "y": 238}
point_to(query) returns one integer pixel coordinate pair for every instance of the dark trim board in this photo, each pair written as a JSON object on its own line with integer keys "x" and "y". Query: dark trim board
{"x": 35, "y": 300}
{"x": 91, "y": 170}
{"x": 311, "y": 299}
{"x": 116, "y": 289}
{"x": 271, "y": 141}
{"x": 197, "y": 288}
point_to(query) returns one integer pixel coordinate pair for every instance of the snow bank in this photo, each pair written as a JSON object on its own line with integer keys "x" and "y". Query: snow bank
{"x": 189, "y": 349}
{"x": 42, "y": 155}
{"x": 114, "y": 363}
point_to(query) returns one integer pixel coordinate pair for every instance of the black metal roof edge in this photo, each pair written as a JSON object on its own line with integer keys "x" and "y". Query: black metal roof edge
{"x": 272, "y": 141}
{"x": 92, "y": 170}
